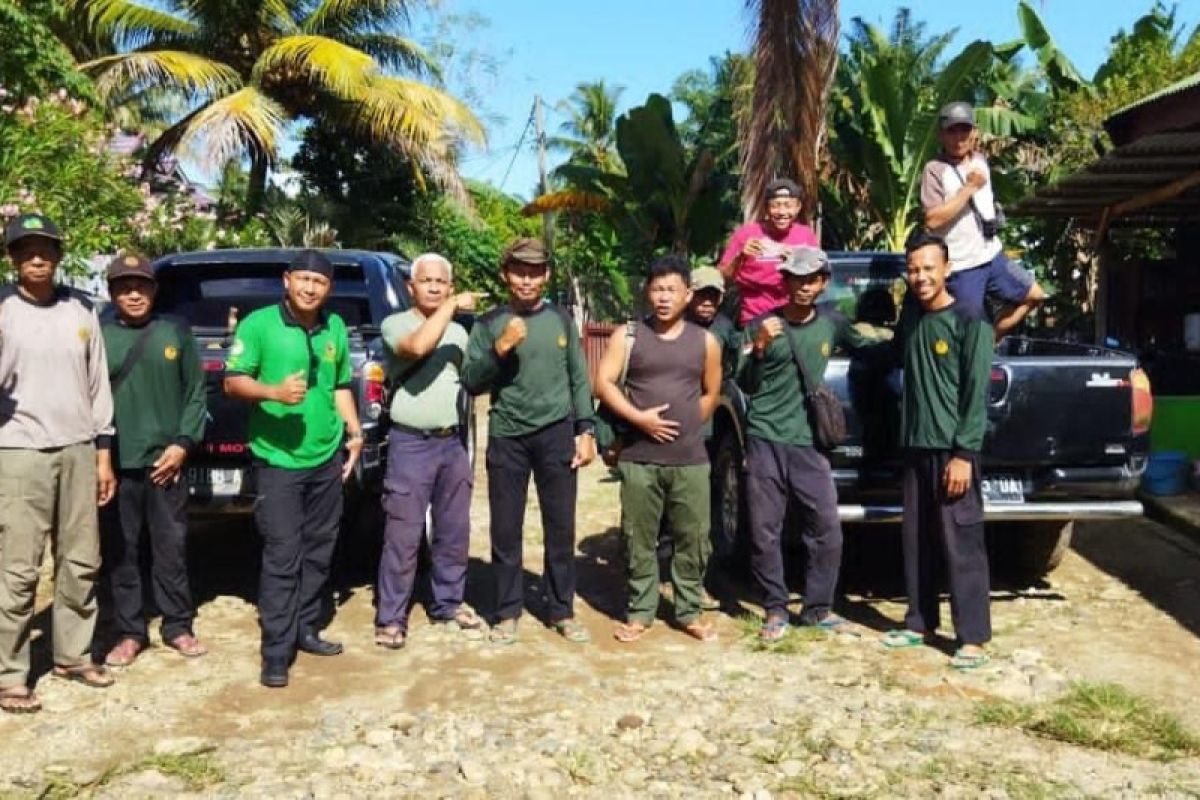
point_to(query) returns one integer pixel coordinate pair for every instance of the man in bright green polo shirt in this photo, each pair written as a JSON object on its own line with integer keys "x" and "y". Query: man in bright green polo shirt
{"x": 292, "y": 362}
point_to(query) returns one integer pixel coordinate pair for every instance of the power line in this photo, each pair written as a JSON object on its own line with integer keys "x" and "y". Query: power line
{"x": 516, "y": 150}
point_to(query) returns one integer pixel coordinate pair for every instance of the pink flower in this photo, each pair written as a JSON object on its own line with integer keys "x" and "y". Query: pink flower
{"x": 9, "y": 210}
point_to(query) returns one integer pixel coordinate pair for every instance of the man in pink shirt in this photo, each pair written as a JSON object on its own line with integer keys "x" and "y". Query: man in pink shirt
{"x": 756, "y": 249}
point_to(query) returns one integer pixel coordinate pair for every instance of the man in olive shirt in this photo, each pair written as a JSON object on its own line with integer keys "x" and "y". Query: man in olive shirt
{"x": 528, "y": 353}
{"x": 292, "y": 362}
{"x": 781, "y": 459}
{"x": 158, "y": 393}
{"x": 947, "y": 370}
{"x": 428, "y": 466}
{"x": 708, "y": 290}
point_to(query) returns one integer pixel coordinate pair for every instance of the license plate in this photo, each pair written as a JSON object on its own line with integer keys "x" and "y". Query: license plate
{"x": 216, "y": 482}
{"x": 1006, "y": 489}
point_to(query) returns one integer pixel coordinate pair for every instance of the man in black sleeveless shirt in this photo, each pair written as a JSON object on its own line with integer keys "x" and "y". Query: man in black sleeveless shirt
{"x": 671, "y": 386}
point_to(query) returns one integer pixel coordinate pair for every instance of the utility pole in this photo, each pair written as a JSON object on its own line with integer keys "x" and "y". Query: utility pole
{"x": 539, "y": 128}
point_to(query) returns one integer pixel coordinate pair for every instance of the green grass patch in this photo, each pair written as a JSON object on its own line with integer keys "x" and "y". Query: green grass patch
{"x": 196, "y": 770}
{"x": 795, "y": 640}
{"x": 1103, "y": 716}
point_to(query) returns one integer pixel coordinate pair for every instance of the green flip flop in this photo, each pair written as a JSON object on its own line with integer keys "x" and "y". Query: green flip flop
{"x": 895, "y": 640}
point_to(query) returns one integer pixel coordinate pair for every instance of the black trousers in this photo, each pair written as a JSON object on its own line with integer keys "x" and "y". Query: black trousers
{"x": 297, "y": 512}
{"x": 547, "y": 454}
{"x": 142, "y": 510}
{"x": 776, "y": 473}
{"x": 940, "y": 534}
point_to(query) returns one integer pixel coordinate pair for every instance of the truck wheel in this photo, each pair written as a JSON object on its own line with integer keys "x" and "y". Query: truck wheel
{"x": 729, "y": 523}
{"x": 1029, "y": 551}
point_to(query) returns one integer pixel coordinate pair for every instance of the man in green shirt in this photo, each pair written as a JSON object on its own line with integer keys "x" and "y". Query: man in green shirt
{"x": 292, "y": 362}
{"x": 528, "y": 354}
{"x": 781, "y": 459}
{"x": 158, "y": 395}
{"x": 947, "y": 370}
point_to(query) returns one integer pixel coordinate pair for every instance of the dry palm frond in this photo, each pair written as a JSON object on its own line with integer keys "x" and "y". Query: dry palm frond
{"x": 336, "y": 67}
{"x": 567, "y": 200}
{"x": 189, "y": 73}
{"x": 228, "y": 128}
{"x": 794, "y": 52}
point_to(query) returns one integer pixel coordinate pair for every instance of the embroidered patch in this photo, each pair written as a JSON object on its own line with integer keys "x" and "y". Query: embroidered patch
{"x": 941, "y": 347}
{"x": 171, "y": 353}
{"x": 825, "y": 349}
{"x": 330, "y": 352}
{"x": 562, "y": 340}
{"x": 33, "y": 224}
{"x": 84, "y": 333}
{"x": 238, "y": 348}
{"x": 131, "y": 261}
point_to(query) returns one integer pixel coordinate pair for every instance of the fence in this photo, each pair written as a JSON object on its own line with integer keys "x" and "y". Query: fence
{"x": 595, "y": 339}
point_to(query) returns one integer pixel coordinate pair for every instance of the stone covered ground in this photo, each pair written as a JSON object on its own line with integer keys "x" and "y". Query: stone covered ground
{"x": 818, "y": 716}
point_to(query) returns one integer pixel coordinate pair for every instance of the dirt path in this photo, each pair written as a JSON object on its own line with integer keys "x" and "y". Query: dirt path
{"x": 451, "y": 716}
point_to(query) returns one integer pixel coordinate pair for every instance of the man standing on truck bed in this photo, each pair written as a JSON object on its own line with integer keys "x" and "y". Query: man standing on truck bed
{"x": 55, "y": 418}
{"x": 428, "y": 466}
{"x": 292, "y": 362}
{"x": 158, "y": 392}
{"x": 947, "y": 370}
{"x": 782, "y": 461}
{"x": 672, "y": 381}
{"x": 528, "y": 353}
{"x": 960, "y": 207}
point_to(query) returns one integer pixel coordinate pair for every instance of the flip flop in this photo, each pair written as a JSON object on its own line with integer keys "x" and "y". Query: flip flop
{"x": 390, "y": 637}
{"x": 966, "y": 661}
{"x": 19, "y": 700}
{"x": 572, "y": 630}
{"x": 92, "y": 676}
{"x": 895, "y": 640}
{"x": 124, "y": 653}
{"x": 630, "y": 631}
{"x": 773, "y": 629}
{"x": 187, "y": 646}
{"x": 504, "y": 632}
{"x": 701, "y": 631}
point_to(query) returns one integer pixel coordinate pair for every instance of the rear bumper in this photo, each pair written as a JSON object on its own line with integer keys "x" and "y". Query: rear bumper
{"x": 1010, "y": 512}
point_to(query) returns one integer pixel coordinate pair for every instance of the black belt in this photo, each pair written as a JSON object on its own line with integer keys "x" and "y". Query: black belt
{"x": 433, "y": 433}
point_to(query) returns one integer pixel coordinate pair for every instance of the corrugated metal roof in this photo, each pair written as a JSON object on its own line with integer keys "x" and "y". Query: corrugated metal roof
{"x": 1179, "y": 86}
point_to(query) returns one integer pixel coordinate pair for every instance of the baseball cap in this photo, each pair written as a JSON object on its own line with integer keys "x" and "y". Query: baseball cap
{"x": 707, "y": 278}
{"x": 956, "y": 114}
{"x": 26, "y": 225}
{"x": 311, "y": 261}
{"x": 129, "y": 265}
{"x": 783, "y": 187}
{"x": 527, "y": 251}
{"x": 805, "y": 260}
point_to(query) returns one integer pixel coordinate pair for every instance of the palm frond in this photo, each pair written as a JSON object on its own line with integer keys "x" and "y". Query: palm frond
{"x": 795, "y": 54}
{"x": 243, "y": 122}
{"x": 132, "y": 24}
{"x": 131, "y": 73}
{"x": 336, "y": 67}
{"x": 394, "y": 109}
{"x": 356, "y": 16}
{"x": 396, "y": 53}
{"x": 566, "y": 200}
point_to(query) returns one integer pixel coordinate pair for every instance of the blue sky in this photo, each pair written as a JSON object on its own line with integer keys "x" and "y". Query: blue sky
{"x": 544, "y": 47}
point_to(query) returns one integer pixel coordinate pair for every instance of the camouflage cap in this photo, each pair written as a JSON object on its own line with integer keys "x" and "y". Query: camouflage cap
{"x": 129, "y": 265}
{"x": 707, "y": 278}
{"x": 526, "y": 250}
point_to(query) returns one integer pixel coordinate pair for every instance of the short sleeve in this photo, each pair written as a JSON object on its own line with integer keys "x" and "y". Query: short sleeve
{"x": 933, "y": 191}
{"x": 345, "y": 370}
{"x": 736, "y": 242}
{"x": 245, "y": 354}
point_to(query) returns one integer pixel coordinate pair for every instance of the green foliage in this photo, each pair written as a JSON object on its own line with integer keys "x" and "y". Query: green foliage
{"x": 473, "y": 246}
{"x": 1104, "y": 716}
{"x": 33, "y": 62}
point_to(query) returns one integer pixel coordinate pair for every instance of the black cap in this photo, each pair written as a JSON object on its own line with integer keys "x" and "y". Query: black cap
{"x": 311, "y": 261}
{"x": 26, "y": 225}
{"x": 129, "y": 265}
{"x": 783, "y": 187}
{"x": 956, "y": 114}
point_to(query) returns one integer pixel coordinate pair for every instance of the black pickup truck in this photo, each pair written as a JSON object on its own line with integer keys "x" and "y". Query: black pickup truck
{"x": 1067, "y": 438}
{"x": 214, "y": 289}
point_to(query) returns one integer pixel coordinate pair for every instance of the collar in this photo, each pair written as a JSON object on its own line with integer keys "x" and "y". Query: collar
{"x": 150, "y": 320}
{"x": 58, "y": 294}
{"x": 290, "y": 320}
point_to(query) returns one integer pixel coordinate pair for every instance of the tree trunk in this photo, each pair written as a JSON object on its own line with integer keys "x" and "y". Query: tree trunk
{"x": 256, "y": 191}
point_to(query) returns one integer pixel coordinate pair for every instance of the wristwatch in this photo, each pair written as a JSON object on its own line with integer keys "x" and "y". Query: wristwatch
{"x": 356, "y": 436}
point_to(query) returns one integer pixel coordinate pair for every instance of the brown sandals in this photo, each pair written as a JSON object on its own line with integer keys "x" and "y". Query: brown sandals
{"x": 90, "y": 675}
{"x": 19, "y": 700}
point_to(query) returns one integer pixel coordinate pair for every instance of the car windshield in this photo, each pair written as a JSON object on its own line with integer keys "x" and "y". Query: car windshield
{"x": 867, "y": 291}
{"x": 211, "y": 295}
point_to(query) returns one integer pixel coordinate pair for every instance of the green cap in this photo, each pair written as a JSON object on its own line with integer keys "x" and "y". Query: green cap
{"x": 526, "y": 250}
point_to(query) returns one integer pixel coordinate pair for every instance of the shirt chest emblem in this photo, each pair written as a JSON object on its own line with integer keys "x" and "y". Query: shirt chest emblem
{"x": 826, "y": 349}
{"x": 941, "y": 347}
{"x": 170, "y": 352}
{"x": 330, "y": 352}
{"x": 562, "y": 340}
{"x": 84, "y": 333}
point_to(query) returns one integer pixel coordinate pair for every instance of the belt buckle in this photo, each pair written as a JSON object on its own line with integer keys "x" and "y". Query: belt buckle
{"x": 442, "y": 433}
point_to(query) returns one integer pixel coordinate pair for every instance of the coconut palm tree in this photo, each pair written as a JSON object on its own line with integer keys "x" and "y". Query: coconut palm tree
{"x": 589, "y": 134}
{"x": 794, "y": 55}
{"x": 250, "y": 68}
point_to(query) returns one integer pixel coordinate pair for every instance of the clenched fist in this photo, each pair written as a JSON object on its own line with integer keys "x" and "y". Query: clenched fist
{"x": 976, "y": 179}
{"x": 464, "y": 301}
{"x": 513, "y": 334}
{"x": 770, "y": 328}
{"x": 291, "y": 392}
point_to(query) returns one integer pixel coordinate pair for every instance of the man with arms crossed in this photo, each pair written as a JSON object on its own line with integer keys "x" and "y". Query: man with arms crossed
{"x": 291, "y": 361}
{"x": 672, "y": 383}
{"x": 428, "y": 466}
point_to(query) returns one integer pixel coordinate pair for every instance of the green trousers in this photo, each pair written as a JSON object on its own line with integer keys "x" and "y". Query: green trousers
{"x": 47, "y": 494}
{"x": 650, "y": 492}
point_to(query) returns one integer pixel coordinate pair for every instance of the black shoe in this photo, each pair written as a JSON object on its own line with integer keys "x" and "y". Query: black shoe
{"x": 274, "y": 673}
{"x": 314, "y": 644}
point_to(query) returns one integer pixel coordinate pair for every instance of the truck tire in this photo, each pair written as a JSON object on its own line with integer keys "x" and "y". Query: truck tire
{"x": 1026, "y": 552}
{"x": 730, "y": 529}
